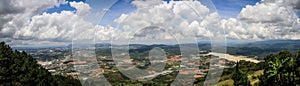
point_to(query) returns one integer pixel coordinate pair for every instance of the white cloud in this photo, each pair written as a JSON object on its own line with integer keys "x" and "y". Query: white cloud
{"x": 234, "y": 29}
{"x": 81, "y": 7}
{"x": 271, "y": 19}
{"x": 179, "y": 18}
{"x": 146, "y": 3}
{"x": 60, "y": 27}
{"x": 266, "y": 20}
{"x": 51, "y": 27}
{"x": 268, "y": 13}
{"x": 19, "y": 13}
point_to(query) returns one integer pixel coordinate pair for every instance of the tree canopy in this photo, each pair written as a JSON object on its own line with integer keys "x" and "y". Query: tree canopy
{"x": 240, "y": 78}
{"x": 280, "y": 69}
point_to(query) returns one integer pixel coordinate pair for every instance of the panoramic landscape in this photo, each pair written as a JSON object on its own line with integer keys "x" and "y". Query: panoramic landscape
{"x": 150, "y": 43}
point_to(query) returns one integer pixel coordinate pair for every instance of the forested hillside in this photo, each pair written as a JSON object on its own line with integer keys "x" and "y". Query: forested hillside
{"x": 20, "y": 69}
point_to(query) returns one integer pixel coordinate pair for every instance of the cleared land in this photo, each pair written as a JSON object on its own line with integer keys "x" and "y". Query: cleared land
{"x": 234, "y": 58}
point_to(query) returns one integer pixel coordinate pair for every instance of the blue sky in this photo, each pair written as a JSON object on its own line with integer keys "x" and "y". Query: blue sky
{"x": 231, "y": 8}
{"x": 122, "y": 6}
{"x": 62, "y": 7}
{"x": 114, "y": 8}
{"x": 225, "y": 8}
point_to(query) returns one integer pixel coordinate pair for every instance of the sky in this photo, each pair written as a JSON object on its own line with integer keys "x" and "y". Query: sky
{"x": 226, "y": 8}
{"x": 60, "y": 22}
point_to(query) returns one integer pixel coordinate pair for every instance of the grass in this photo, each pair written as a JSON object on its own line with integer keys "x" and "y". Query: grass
{"x": 228, "y": 82}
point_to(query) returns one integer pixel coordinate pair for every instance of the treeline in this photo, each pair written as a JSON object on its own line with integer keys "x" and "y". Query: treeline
{"x": 20, "y": 69}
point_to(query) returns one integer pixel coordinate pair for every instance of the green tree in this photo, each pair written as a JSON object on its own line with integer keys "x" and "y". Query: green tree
{"x": 298, "y": 59}
{"x": 281, "y": 70}
{"x": 240, "y": 78}
{"x": 298, "y": 68}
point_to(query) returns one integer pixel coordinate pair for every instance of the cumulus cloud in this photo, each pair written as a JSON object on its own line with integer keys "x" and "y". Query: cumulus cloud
{"x": 81, "y": 7}
{"x": 271, "y": 19}
{"x": 15, "y": 14}
{"x": 61, "y": 27}
{"x": 146, "y": 3}
{"x": 6, "y": 7}
{"x": 292, "y": 3}
{"x": 178, "y": 18}
{"x": 268, "y": 19}
{"x": 268, "y": 13}
{"x": 50, "y": 27}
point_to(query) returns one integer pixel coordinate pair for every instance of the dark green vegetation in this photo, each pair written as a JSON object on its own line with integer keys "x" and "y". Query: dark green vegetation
{"x": 240, "y": 73}
{"x": 19, "y": 68}
{"x": 239, "y": 77}
{"x": 281, "y": 69}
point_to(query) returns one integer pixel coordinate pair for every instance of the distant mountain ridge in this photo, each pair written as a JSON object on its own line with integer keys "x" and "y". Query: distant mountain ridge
{"x": 258, "y": 48}
{"x": 262, "y": 48}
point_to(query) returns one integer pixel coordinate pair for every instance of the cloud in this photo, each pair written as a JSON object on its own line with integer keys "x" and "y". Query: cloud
{"x": 262, "y": 21}
{"x": 61, "y": 27}
{"x": 146, "y": 3}
{"x": 82, "y": 8}
{"x": 15, "y": 14}
{"x": 234, "y": 29}
{"x": 271, "y": 20}
{"x": 297, "y": 5}
{"x": 292, "y": 3}
{"x": 183, "y": 19}
{"x": 268, "y": 13}
{"x": 51, "y": 27}
{"x": 178, "y": 18}
{"x": 6, "y": 7}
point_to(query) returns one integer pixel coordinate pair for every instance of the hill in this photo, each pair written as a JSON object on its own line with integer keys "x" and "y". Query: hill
{"x": 263, "y": 48}
{"x": 18, "y": 68}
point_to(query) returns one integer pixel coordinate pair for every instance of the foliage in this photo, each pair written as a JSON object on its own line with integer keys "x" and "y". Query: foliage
{"x": 240, "y": 78}
{"x": 19, "y": 68}
{"x": 280, "y": 69}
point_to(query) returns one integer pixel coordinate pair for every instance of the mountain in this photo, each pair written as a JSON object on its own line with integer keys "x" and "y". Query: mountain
{"x": 258, "y": 48}
{"x": 262, "y": 48}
